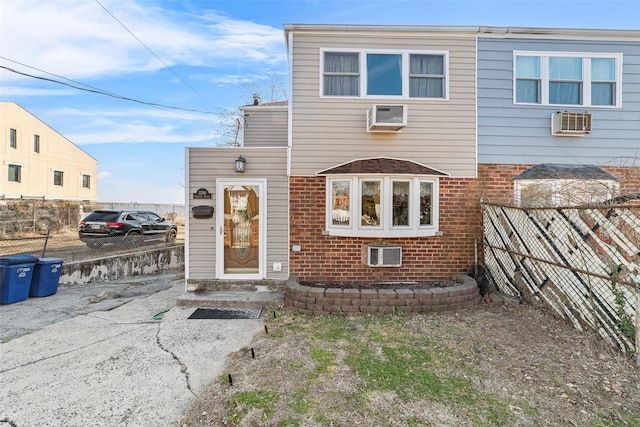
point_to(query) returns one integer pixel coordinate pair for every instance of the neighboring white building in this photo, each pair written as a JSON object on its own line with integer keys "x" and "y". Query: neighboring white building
{"x": 39, "y": 163}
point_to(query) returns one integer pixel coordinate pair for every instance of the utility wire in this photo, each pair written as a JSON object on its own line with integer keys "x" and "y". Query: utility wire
{"x": 55, "y": 75}
{"x": 103, "y": 92}
{"x": 154, "y": 54}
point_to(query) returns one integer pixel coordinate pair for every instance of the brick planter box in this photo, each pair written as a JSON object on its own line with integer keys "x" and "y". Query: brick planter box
{"x": 317, "y": 301}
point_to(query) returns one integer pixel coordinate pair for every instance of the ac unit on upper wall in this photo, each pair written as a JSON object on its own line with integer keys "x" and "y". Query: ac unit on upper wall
{"x": 386, "y": 118}
{"x": 565, "y": 123}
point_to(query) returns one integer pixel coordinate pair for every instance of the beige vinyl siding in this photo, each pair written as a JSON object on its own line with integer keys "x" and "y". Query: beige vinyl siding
{"x": 56, "y": 153}
{"x": 205, "y": 165}
{"x": 329, "y": 131}
{"x": 265, "y": 127}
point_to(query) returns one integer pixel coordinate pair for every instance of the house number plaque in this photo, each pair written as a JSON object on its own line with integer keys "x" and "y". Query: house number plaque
{"x": 202, "y": 193}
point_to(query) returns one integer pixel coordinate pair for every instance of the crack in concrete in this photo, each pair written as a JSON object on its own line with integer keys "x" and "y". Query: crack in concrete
{"x": 183, "y": 367}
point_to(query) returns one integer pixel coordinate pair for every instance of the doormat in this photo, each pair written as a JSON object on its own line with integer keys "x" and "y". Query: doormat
{"x": 226, "y": 313}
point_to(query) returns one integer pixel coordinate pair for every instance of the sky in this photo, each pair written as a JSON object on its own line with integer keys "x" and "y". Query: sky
{"x": 134, "y": 82}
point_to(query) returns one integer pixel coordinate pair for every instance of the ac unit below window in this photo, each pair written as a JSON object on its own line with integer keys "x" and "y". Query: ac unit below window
{"x": 384, "y": 256}
{"x": 386, "y": 118}
{"x": 565, "y": 123}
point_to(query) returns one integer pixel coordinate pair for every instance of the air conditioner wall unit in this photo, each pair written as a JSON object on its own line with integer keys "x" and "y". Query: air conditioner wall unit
{"x": 386, "y": 118}
{"x": 384, "y": 256}
{"x": 565, "y": 123}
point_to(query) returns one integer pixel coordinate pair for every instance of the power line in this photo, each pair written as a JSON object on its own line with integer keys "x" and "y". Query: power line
{"x": 52, "y": 74}
{"x": 154, "y": 54}
{"x": 103, "y": 92}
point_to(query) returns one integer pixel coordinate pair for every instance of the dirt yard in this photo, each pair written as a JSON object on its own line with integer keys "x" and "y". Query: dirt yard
{"x": 498, "y": 365}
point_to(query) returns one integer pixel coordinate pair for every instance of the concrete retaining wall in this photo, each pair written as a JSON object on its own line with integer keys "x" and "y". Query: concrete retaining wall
{"x": 121, "y": 266}
{"x": 321, "y": 301}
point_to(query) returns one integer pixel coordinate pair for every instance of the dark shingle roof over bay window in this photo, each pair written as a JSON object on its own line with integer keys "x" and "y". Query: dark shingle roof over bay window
{"x": 382, "y": 165}
{"x": 561, "y": 171}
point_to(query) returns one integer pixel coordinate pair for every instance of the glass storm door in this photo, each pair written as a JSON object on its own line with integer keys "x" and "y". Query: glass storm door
{"x": 240, "y": 225}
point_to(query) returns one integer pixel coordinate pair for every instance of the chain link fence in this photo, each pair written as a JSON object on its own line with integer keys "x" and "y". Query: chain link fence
{"x": 50, "y": 229}
{"x": 582, "y": 263}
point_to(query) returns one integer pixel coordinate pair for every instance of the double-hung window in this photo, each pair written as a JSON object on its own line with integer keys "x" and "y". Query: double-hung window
{"x": 384, "y": 74}
{"x": 341, "y": 75}
{"x": 57, "y": 177}
{"x": 15, "y": 172}
{"x": 568, "y": 79}
{"x": 86, "y": 181}
{"x": 382, "y": 206}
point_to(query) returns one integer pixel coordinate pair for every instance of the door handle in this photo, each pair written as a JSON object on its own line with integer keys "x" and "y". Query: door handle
{"x": 221, "y": 230}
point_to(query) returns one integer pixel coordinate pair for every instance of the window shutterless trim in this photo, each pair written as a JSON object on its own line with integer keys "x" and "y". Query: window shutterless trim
{"x": 386, "y": 229}
{"x": 586, "y": 80}
{"x": 362, "y": 73}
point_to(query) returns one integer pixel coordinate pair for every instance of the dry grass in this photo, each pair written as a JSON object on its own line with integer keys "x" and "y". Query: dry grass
{"x": 498, "y": 365}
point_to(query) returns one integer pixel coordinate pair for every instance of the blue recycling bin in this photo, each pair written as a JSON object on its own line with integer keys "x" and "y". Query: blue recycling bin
{"x": 16, "y": 273}
{"x": 46, "y": 276}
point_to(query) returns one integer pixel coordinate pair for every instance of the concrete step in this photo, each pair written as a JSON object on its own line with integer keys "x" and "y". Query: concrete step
{"x": 226, "y": 298}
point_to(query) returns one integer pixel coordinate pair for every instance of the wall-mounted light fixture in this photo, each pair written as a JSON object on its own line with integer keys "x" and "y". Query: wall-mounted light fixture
{"x": 240, "y": 162}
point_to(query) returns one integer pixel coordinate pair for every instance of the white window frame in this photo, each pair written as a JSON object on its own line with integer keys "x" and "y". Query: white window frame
{"x": 405, "y": 72}
{"x": 586, "y": 77}
{"x": 386, "y": 228}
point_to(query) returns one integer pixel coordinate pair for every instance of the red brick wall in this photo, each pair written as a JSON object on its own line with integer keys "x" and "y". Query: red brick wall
{"x": 496, "y": 184}
{"x": 629, "y": 175}
{"x": 334, "y": 259}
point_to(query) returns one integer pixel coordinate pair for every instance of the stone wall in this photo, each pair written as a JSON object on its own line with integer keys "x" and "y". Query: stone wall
{"x": 118, "y": 267}
{"x": 317, "y": 300}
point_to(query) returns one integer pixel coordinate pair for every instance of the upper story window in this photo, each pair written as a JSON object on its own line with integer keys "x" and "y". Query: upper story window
{"x": 36, "y": 143}
{"x": 384, "y": 74}
{"x": 15, "y": 172}
{"x": 57, "y": 177}
{"x": 568, "y": 79}
{"x": 86, "y": 181}
{"x": 382, "y": 206}
{"x": 13, "y": 138}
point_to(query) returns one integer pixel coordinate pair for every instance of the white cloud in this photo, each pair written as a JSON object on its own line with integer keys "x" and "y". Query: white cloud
{"x": 15, "y": 91}
{"x": 100, "y": 126}
{"x": 79, "y": 39}
{"x": 104, "y": 175}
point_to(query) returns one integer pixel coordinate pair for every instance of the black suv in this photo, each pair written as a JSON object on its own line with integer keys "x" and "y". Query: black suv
{"x": 129, "y": 228}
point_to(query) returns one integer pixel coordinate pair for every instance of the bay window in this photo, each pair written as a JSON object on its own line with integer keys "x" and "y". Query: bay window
{"x": 382, "y": 206}
{"x": 572, "y": 79}
{"x": 381, "y": 73}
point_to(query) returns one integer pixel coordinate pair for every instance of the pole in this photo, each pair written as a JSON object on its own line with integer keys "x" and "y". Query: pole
{"x": 637, "y": 322}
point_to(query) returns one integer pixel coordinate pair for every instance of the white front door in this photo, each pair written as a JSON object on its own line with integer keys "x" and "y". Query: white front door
{"x": 241, "y": 223}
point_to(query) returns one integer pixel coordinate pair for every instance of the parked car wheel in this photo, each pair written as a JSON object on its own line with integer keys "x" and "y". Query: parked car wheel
{"x": 94, "y": 244}
{"x": 171, "y": 235}
{"x": 132, "y": 239}
{"x": 42, "y": 226}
